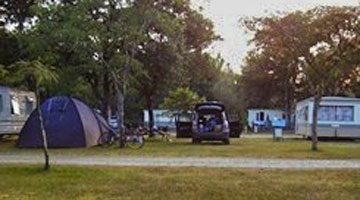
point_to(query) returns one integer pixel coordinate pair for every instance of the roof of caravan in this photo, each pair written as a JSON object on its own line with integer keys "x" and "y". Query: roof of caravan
{"x": 266, "y": 109}
{"x": 332, "y": 98}
{"x": 9, "y": 89}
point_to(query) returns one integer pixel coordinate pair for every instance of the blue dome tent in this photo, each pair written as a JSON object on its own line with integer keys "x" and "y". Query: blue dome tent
{"x": 68, "y": 122}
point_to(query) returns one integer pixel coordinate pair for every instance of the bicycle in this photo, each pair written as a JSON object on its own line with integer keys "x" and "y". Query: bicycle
{"x": 163, "y": 132}
{"x": 132, "y": 138}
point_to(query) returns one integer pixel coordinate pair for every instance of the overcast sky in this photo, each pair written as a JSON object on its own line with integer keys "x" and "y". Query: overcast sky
{"x": 226, "y": 13}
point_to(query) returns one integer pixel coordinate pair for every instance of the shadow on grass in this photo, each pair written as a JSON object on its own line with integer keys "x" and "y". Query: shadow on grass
{"x": 6, "y": 139}
{"x": 326, "y": 139}
{"x": 212, "y": 143}
{"x": 30, "y": 170}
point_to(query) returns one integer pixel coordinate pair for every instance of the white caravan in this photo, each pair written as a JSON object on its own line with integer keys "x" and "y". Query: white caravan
{"x": 337, "y": 117}
{"x": 15, "y": 108}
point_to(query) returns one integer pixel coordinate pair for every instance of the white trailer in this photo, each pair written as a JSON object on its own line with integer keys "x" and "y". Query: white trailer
{"x": 337, "y": 117}
{"x": 15, "y": 108}
{"x": 259, "y": 117}
{"x": 161, "y": 118}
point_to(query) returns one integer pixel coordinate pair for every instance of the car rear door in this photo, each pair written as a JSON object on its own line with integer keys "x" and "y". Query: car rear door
{"x": 235, "y": 126}
{"x": 183, "y": 126}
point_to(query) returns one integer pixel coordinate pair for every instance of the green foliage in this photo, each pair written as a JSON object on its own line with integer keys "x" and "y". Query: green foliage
{"x": 312, "y": 53}
{"x": 226, "y": 91}
{"x": 182, "y": 100}
{"x": 297, "y": 53}
{"x": 17, "y": 12}
{"x": 3, "y": 73}
{"x": 102, "y": 50}
{"x": 33, "y": 74}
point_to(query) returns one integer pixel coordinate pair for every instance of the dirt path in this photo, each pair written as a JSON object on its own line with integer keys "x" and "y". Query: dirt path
{"x": 187, "y": 162}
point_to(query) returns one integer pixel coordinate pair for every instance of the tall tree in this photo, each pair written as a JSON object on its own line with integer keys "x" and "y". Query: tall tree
{"x": 310, "y": 50}
{"x": 35, "y": 75}
{"x": 174, "y": 33}
{"x": 94, "y": 39}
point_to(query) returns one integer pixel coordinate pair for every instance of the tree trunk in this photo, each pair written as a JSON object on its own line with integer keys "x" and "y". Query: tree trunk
{"x": 43, "y": 132}
{"x": 314, "y": 137}
{"x": 151, "y": 116}
{"x": 121, "y": 92}
{"x": 121, "y": 116}
{"x": 289, "y": 99}
{"x": 107, "y": 98}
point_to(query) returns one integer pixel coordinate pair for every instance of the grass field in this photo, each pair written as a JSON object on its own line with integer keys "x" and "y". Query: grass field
{"x": 80, "y": 183}
{"x": 244, "y": 147}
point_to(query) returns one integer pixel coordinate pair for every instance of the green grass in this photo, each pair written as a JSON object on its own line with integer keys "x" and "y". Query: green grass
{"x": 244, "y": 147}
{"x": 29, "y": 182}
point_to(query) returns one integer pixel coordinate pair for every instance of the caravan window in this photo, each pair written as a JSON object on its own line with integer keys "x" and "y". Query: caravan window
{"x": 260, "y": 116}
{"x": 15, "y": 106}
{"x": 336, "y": 113}
{"x": 303, "y": 114}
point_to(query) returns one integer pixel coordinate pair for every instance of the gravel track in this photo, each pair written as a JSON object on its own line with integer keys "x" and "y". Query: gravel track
{"x": 186, "y": 162}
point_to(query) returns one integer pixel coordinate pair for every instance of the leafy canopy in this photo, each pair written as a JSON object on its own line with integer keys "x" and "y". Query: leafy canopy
{"x": 182, "y": 99}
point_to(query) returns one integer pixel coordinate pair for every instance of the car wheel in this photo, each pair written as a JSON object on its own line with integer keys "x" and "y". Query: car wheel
{"x": 226, "y": 141}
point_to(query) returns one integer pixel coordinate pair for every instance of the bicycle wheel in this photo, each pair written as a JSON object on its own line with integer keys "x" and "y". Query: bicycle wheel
{"x": 135, "y": 141}
{"x": 106, "y": 139}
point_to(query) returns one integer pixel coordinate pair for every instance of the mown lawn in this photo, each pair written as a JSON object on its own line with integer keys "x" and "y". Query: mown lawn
{"x": 29, "y": 182}
{"x": 244, "y": 147}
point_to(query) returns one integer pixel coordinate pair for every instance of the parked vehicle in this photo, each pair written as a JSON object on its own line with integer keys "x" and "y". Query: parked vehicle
{"x": 15, "y": 108}
{"x": 209, "y": 123}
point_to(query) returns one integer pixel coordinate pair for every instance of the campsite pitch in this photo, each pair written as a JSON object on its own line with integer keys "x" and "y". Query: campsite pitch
{"x": 29, "y": 182}
{"x": 291, "y": 148}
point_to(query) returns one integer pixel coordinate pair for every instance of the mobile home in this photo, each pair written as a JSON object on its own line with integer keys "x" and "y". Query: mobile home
{"x": 261, "y": 118}
{"x": 15, "y": 108}
{"x": 337, "y": 117}
{"x": 161, "y": 119}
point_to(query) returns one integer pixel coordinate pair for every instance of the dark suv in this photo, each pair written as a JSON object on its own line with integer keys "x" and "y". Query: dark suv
{"x": 209, "y": 123}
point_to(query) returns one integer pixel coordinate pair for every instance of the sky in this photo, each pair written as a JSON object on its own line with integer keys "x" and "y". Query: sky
{"x": 226, "y": 14}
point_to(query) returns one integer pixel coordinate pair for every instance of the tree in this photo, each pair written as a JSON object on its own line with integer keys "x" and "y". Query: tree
{"x": 103, "y": 49}
{"x": 35, "y": 75}
{"x": 311, "y": 50}
{"x": 175, "y": 31}
{"x": 181, "y": 100}
{"x": 93, "y": 41}
{"x": 272, "y": 67}
{"x": 17, "y": 12}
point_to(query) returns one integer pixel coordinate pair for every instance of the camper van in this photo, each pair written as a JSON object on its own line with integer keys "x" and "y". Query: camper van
{"x": 15, "y": 108}
{"x": 337, "y": 117}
